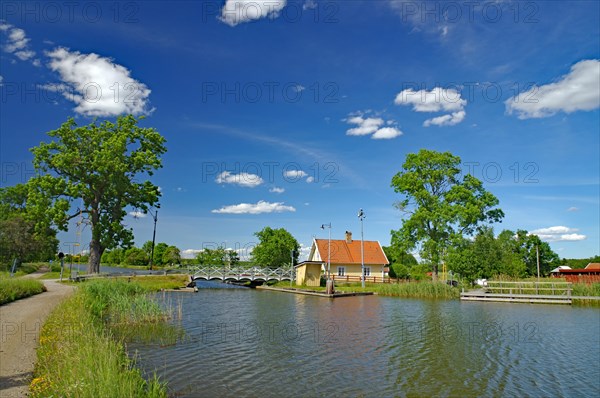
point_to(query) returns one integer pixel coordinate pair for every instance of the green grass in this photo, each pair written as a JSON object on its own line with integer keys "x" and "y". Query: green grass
{"x": 23, "y": 269}
{"x": 12, "y": 289}
{"x": 82, "y": 345}
{"x": 585, "y": 289}
{"x": 156, "y": 283}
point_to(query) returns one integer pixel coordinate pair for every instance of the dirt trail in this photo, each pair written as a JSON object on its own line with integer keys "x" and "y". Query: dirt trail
{"x": 20, "y": 325}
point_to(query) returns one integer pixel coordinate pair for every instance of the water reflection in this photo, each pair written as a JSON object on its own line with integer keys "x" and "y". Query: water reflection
{"x": 243, "y": 342}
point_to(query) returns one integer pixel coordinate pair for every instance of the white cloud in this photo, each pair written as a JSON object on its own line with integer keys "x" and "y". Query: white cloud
{"x": 97, "y": 85}
{"x": 573, "y": 209}
{"x": 365, "y": 126}
{"x": 1, "y": 79}
{"x": 255, "y": 208}
{"x": 137, "y": 214}
{"x": 374, "y": 126}
{"x": 310, "y": 179}
{"x": 235, "y": 12}
{"x": 295, "y": 174}
{"x": 277, "y": 190}
{"x": 309, "y": 5}
{"x": 577, "y": 91}
{"x": 436, "y": 100}
{"x": 17, "y": 42}
{"x": 558, "y": 234}
{"x": 386, "y": 133}
{"x": 553, "y": 230}
{"x": 190, "y": 253}
{"x": 446, "y": 120}
{"x": 242, "y": 179}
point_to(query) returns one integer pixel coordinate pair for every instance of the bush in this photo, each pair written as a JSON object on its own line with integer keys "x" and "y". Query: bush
{"x": 13, "y": 289}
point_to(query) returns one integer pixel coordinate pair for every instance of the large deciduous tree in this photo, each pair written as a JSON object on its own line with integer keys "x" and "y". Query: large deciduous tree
{"x": 107, "y": 167}
{"x": 275, "y": 247}
{"x": 19, "y": 238}
{"x": 441, "y": 204}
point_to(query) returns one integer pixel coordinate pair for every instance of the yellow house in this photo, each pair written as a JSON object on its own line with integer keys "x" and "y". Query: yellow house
{"x": 346, "y": 261}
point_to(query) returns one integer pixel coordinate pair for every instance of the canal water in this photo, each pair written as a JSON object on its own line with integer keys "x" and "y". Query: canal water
{"x": 252, "y": 343}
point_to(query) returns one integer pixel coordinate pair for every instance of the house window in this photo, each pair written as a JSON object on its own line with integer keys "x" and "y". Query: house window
{"x": 341, "y": 271}
{"x": 367, "y": 271}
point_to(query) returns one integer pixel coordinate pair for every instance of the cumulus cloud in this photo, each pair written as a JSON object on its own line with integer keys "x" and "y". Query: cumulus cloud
{"x": 17, "y": 43}
{"x": 235, "y": 12}
{"x": 97, "y": 85}
{"x": 242, "y": 179}
{"x": 310, "y": 179}
{"x": 255, "y": 208}
{"x": 190, "y": 253}
{"x": 386, "y": 133}
{"x": 579, "y": 90}
{"x": 436, "y": 100}
{"x": 558, "y": 234}
{"x": 294, "y": 174}
{"x": 372, "y": 125}
{"x": 446, "y": 120}
{"x": 277, "y": 190}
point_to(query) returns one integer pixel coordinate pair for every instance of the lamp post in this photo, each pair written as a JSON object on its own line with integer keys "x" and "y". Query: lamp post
{"x": 329, "y": 285}
{"x": 361, "y": 217}
{"x": 155, "y": 217}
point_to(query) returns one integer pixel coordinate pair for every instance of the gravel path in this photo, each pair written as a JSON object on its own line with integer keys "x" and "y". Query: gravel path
{"x": 20, "y": 325}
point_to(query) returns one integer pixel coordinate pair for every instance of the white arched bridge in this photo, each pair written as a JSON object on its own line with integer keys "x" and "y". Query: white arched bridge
{"x": 240, "y": 274}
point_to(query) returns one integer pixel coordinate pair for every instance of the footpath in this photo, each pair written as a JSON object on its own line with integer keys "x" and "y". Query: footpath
{"x": 20, "y": 325}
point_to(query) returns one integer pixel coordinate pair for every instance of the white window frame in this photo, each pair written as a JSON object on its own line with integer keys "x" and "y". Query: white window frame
{"x": 341, "y": 271}
{"x": 367, "y": 271}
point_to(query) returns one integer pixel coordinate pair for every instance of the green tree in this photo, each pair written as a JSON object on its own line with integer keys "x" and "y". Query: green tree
{"x": 401, "y": 262}
{"x": 275, "y": 247}
{"x": 171, "y": 256}
{"x": 232, "y": 257}
{"x": 440, "y": 205}
{"x": 210, "y": 256}
{"x": 528, "y": 246}
{"x": 114, "y": 256}
{"x": 135, "y": 256}
{"x": 100, "y": 164}
{"x": 487, "y": 256}
{"x": 19, "y": 239}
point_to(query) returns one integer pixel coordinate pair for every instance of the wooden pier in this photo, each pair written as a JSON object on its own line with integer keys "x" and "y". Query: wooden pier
{"x": 523, "y": 292}
{"x": 314, "y": 292}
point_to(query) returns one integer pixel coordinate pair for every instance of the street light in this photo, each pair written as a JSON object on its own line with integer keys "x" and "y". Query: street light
{"x": 155, "y": 217}
{"x": 361, "y": 217}
{"x": 329, "y": 285}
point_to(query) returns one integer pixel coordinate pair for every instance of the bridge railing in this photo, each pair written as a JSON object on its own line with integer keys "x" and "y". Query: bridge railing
{"x": 238, "y": 273}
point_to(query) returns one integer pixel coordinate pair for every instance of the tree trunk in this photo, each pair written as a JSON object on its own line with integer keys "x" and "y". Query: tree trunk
{"x": 434, "y": 273}
{"x": 95, "y": 255}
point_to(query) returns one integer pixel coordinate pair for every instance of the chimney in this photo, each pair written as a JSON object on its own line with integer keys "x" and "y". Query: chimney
{"x": 348, "y": 237}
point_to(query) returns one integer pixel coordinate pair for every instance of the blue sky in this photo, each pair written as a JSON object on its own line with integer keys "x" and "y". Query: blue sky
{"x": 297, "y": 113}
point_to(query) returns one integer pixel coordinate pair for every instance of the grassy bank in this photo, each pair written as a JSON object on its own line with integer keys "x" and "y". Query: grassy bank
{"x": 156, "y": 283}
{"x": 585, "y": 289}
{"x": 12, "y": 289}
{"x": 426, "y": 290}
{"x": 82, "y": 345}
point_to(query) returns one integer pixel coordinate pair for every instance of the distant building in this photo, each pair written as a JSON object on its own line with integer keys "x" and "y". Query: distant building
{"x": 589, "y": 274}
{"x": 556, "y": 271}
{"x": 345, "y": 261}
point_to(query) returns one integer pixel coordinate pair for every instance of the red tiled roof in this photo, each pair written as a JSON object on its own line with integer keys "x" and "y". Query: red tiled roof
{"x": 343, "y": 252}
{"x": 595, "y": 266}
